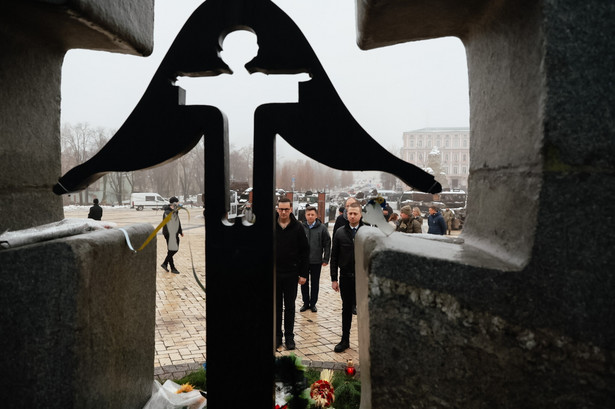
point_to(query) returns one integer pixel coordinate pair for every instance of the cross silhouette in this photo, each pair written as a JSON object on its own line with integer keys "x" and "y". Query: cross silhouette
{"x": 242, "y": 91}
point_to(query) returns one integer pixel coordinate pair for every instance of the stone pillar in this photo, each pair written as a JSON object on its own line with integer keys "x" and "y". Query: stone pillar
{"x": 34, "y": 36}
{"x": 519, "y": 312}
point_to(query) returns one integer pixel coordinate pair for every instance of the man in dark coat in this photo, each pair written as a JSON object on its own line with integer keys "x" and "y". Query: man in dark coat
{"x": 436, "y": 222}
{"x": 95, "y": 211}
{"x": 320, "y": 250}
{"x": 342, "y": 257}
{"x": 292, "y": 252}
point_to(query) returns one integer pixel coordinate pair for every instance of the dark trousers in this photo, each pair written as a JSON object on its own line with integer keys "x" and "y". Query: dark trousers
{"x": 285, "y": 296}
{"x": 314, "y": 277}
{"x": 169, "y": 259}
{"x": 348, "y": 292}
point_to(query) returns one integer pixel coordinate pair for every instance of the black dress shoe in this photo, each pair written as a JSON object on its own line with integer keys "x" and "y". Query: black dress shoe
{"x": 304, "y": 308}
{"x": 342, "y": 346}
{"x": 290, "y": 345}
{"x": 164, "y": 267}
{"x": 314, "y": 309}
{"x": 174, "y": 270}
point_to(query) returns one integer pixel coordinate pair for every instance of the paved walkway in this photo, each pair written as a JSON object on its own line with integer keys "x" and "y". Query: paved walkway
{"x": 180, "y": 305}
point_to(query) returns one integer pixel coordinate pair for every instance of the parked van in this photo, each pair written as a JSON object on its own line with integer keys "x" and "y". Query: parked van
{"x": 142, "y": 201}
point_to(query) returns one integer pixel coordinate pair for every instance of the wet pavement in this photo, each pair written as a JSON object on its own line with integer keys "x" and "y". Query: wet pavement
{"x": 180, "y": 304}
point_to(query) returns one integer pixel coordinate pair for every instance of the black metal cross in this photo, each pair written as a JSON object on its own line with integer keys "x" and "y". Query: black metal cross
{"x": 240, "y": 258}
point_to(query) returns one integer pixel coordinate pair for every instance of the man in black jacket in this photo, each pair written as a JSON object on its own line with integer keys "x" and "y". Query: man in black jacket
{"x": 95, "y": 211}
{"x": 342, "y": 256}
{"x": 292, "y": 253}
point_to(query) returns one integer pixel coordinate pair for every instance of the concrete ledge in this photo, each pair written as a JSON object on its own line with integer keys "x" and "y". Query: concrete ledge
{"x": 81, "y": 314}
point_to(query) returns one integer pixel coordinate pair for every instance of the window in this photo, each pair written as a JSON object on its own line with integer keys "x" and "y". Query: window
{"x": 464, "y": 170}
{"x": 456, "y": 158}
{"x": 447, "y": 143}
{"x": 412, "y": 143}
{"x": 465, "y": 143}
{"x": 465, "y": 157}
{"x": 429, "y": 143}
{"x": 455, "y": 170}
{"x": 446, "y": 157}
{"x": 456, "y": 142}
{"x": 419, "y": 143}
{"x": 420, "y": 156}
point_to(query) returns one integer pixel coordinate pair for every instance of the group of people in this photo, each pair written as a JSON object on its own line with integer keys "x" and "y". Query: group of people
{"x": 302, "y": 249}
{"x": 410, "y": 220}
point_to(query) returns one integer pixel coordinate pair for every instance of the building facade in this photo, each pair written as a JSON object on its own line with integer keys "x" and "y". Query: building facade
{"x": 453, "y": 144}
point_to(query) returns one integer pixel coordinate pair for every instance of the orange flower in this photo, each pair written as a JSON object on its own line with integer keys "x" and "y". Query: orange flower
{"x": 185, "y": 388}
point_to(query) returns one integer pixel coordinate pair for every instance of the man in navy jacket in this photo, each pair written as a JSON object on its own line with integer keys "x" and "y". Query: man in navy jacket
{"x": 435, "y": 221}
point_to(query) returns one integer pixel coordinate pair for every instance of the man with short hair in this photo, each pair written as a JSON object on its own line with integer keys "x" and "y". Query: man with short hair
{"x": 436, "y": 222}
{"x": 96, "y": 211}
{"x": 342, "y": 256}
{"x": 320, "y": 250}
{"x": 341, "y": 219}
{"x": 292, "y": 252}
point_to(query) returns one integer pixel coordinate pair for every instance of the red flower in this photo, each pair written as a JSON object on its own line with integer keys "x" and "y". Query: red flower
{"x": 322, "y": 393}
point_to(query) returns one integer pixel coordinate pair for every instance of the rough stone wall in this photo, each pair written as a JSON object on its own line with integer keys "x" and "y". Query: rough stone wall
{"x": 520, "y": 313}
{"x": 441, "y": 333}
{"x": 77, "y": 322}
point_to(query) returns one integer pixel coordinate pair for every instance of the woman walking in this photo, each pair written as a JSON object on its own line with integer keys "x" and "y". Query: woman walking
{"x": 171, "y": 231}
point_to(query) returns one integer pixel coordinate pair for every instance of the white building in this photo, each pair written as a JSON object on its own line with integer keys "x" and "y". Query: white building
{"x": 454, "y": 146}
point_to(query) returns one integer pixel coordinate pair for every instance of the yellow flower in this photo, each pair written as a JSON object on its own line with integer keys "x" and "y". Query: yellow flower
{"x": 185, "y": 388}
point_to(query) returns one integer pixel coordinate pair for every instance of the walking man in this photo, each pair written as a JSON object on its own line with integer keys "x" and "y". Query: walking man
{"x": 320, "y": 250}
{"x": 292, "y": 252}
{"x": 342, "y": 257}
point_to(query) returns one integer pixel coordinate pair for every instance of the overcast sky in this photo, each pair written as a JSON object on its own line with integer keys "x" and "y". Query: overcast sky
{"x": 388, "y": 90}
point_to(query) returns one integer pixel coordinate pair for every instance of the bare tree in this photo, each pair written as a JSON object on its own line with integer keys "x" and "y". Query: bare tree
{"x": 78, "y": 142}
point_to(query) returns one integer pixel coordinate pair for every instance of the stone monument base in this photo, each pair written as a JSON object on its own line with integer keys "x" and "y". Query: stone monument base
{"x": 78, "y": 321}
